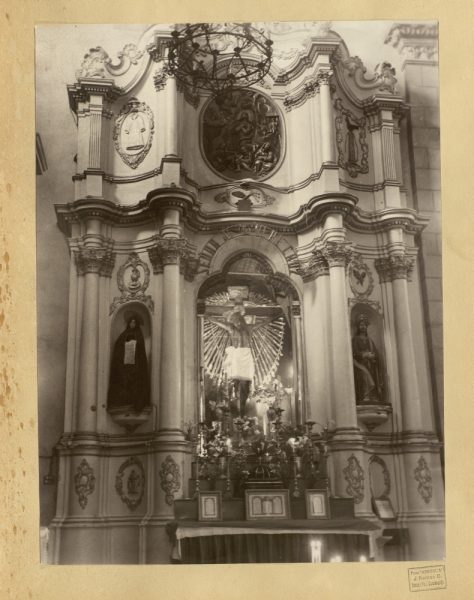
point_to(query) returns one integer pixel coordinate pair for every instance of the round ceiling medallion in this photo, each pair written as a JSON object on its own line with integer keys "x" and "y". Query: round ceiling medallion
{"x": 242, "y": 135}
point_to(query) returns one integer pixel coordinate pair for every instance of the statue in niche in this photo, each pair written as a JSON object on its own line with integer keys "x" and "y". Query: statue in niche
{"x": 129, "y": 385}
{"x": 352, "y": 152}
{"x": 367, "y": 369}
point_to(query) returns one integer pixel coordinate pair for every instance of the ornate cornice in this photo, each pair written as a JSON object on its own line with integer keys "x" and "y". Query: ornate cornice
{"x": 94, "y": 260}
{"x": 398, "y": 266}
{"x": 85, "y": 87}
{"x": 415, "y": 41}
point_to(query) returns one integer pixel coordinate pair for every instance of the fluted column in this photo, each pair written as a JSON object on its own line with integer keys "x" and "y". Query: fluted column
{"x": 395, "y": 269}
{"x": 91, "y": 262}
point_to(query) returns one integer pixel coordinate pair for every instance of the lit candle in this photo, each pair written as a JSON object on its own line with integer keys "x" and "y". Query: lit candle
{"x": 336, "y": 558}
{"x": 315, "y": 551}
{"x": 362, "y": 558}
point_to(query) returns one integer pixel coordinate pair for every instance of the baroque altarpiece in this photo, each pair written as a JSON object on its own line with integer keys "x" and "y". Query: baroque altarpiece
{"x": 243, "y": 264}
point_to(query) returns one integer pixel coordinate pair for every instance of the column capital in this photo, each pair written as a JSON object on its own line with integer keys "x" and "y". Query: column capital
{"x": 323, "y": 76}
{"x": 398, "y": 266}
{"x": 94, "y": 260}
{"x": 316, "y": 267}
{"x": 174, "y": 251}
{"x": 337, "y": 254}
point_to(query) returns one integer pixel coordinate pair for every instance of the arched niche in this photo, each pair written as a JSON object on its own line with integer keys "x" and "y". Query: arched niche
{"x": 119, "y": 320}
{"x": 128, "y": 415}
{"x": 362, "y": 311}
{"x": 250, "y": 307}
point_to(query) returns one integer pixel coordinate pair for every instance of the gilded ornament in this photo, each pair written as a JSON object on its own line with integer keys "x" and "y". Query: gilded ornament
{"x": 244, "y": 197}
{"x": 354, "y": 475}
{"x": 361, "y": 279}
{"x": 84, "y": 482}
{"x": 422, "y": 475}
{"x": 133, "y": 132}
{"x": 130, "y": 482}
{"x": 170, "y": 478}
{"x": 133, "y": 278}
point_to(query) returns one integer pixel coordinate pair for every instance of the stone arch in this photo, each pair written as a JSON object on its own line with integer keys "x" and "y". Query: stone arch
{"x": 252, "y": 237}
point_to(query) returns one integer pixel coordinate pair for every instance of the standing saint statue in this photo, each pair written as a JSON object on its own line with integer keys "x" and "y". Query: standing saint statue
{"x": 367, "y": 370}
{"x": 129, "y": 382}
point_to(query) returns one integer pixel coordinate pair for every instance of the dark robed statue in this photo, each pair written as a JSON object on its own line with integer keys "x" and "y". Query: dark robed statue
{"x": 129, "y": 385}
{"x": 367, "y": 370}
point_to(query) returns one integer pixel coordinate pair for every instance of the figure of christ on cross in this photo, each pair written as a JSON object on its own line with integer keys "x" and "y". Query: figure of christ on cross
{"x": 238, "y": 363}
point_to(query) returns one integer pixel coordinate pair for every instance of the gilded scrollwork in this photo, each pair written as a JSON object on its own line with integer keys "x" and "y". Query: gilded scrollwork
{"x": 170, "y": 478}
{"x": 361, "y": 279}
{"x": 84, "y": 482}
{"x": 244, "y": 197}
{"x": 133, "y": 278}
{"x": 423, "y": 477}
{"x": 98, "y": 64}
{"x": 133, "y": 132}
{"x": 354, "y": 475}
{"x": 130, "y": 482}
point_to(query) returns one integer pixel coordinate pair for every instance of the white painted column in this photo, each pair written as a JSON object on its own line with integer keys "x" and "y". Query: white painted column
{"x": 395, "y": 268}
{"x": 336, "y": 252}
{"x": 92, "y": 260}
{"x": 171, "y": 140}
{"x": 328, "y": 146}
{"x": 168, "y": 250}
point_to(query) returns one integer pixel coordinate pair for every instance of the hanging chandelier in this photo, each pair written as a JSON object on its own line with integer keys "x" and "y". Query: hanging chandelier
{"x": 217, "y": 57}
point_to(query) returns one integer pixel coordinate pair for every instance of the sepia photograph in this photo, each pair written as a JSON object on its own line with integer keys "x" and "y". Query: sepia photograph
{"x": 239, "y": 293}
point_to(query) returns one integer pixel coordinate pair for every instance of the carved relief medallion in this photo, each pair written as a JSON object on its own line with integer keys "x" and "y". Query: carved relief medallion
{"x": 84, "y": 482}
{"x": 361, "y": 279}
{"x": 133, "y": 278}
{"x": 133, "y": 132}
{"x": 242, "y": 135}
{"x": 130, "y": 482}
{"x": 170, "y": 478}
{"x": 244, "y": 197}
{"x": 354, "y": 475}
{"x": 352, "y": 147}
{"x": 422, "y": 475}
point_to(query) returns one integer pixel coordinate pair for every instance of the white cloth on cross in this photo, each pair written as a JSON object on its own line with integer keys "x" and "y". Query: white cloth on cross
{"x": 238, "y": 364}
